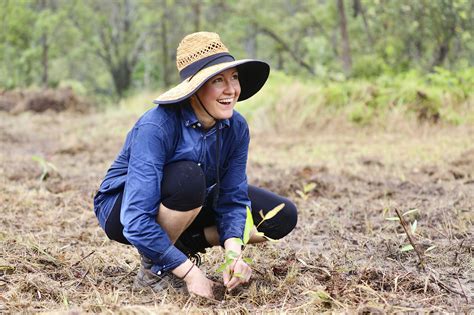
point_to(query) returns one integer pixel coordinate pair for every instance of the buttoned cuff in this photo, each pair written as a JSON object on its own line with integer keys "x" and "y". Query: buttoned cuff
{"x": 171, "y": 259}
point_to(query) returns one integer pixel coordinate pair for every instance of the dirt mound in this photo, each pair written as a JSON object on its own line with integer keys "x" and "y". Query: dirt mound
{"x": 58, "y": 100}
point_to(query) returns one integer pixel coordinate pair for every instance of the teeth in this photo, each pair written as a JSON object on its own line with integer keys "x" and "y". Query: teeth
{"x": 225, "y": 100}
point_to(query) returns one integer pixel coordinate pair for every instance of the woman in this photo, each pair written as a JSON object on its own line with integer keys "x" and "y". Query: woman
{"x": 179, "y": 184}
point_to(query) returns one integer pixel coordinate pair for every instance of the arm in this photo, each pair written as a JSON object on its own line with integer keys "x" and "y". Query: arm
{"x": 233, "y": 193}
{"x": 142, "y": 196}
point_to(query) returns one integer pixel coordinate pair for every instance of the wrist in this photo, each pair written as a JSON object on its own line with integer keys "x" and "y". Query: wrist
{"x": 233, "y": 244}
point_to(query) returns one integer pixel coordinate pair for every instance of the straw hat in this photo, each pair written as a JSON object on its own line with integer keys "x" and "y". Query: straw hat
{"x": 202, "y": 55}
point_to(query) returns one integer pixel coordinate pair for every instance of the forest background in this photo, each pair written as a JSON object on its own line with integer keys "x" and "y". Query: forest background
{"x": 366, "y": 56}
{"x": 369, "y": 109}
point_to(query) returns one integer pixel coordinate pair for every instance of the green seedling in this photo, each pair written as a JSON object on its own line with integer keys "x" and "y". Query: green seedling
{"x": 231, "y": 256}
{"x": 46, "y": 167}
{"x": 307, "y": 188}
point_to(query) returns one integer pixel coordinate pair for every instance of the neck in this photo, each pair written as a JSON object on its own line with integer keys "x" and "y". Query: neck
{"x": 206, "y": 119}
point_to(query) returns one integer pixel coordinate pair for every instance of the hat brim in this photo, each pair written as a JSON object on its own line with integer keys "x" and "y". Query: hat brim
{"x": 252, "y": 76}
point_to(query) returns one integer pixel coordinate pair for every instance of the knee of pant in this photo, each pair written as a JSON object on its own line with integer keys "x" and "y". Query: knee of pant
{"x": 183, "y": 186}
{"x": 283, "y": 223}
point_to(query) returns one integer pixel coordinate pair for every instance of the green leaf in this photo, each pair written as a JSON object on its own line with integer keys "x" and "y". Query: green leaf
{"x": 413, "y": 226}
{"x": 270, "y": 214}
{"x": 248, "y": 226}
{"x": 392, "y": 219}
{"x": 410, "y": 211}
{"x": 302, "y": 194}
{"x": 270, "y": 239}
{"x": 406, "y": 248}
{"x": 430, "y": 248}
{"x": 261, "y": 214}
{"x": 230, "y": 254}
{"x": 224, "y": 265}
{"x": 308, "y": 187}
{"x": 248, "y": 260}
{"x": 257, "y": 233}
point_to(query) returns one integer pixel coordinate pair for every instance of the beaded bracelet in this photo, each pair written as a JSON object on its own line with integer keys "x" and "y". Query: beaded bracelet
{"x": 182, "y": 278}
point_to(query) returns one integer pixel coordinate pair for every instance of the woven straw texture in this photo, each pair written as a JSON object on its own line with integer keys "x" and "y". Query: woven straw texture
{"x": 197, "y": 46}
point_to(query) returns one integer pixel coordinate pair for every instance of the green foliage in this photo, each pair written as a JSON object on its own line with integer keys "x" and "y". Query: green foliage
{"x": 441, "y": 96}
{"x": 114, "y": 47}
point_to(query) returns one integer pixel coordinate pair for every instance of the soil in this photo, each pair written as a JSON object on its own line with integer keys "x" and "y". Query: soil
{"x": 345, "y": 255}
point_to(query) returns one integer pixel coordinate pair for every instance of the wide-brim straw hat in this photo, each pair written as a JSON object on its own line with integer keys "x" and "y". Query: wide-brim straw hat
{"x": 202, "y": 55}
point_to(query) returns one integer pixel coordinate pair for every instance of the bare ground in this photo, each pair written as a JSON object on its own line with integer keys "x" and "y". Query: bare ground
{"x": 343, "y": 256}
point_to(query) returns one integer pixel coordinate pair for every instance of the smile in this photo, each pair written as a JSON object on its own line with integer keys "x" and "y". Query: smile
{"x": 225, "y": 101}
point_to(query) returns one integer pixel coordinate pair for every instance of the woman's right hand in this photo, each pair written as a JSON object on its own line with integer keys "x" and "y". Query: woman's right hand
{"x": 196, "y": 280}
{"x": 199, "y": 284}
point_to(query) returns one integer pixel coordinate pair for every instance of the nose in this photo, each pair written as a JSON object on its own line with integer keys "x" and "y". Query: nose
{"x": 229, "y": 87}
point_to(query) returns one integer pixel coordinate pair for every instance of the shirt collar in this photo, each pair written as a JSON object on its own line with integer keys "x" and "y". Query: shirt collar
{"x": 190, "y": 119}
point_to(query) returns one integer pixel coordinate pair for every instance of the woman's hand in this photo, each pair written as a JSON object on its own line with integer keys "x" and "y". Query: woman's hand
{"x": 196, "y": 280}
{"x": 199, "y": 284}
{"x": 238, "y": 272}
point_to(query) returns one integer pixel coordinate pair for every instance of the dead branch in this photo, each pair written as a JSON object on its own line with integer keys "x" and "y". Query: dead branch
{"x": 410, "y": 238}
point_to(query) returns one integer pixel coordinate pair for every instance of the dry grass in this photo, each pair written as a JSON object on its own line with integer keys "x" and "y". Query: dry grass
{"x": 343, "y": 256}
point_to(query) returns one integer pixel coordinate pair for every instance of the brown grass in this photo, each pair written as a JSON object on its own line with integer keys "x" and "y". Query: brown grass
{"x": 343, "y": 256}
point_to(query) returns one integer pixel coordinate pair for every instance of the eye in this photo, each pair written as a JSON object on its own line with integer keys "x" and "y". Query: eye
{"x": 217, "y": 80}
{"x": 235, "y": 76}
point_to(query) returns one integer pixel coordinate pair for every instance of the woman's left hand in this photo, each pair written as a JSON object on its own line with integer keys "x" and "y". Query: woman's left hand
{"x": 238, "y": 272}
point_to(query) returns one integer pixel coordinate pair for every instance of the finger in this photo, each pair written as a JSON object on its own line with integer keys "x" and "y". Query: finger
{"x": 226, "y": 277}
{"x": 234, "y": 282}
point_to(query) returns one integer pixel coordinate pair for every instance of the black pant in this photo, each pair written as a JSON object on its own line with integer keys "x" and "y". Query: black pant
{"x": 183, "y": 189}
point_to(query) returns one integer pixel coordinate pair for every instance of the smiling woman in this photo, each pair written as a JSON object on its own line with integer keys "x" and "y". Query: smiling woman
{"x": 179, "y": 184}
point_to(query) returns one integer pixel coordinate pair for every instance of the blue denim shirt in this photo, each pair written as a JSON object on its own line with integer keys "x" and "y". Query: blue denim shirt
{"x": 161, "y": 136}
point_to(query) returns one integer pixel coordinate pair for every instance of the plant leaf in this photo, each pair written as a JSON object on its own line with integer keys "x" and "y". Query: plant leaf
{"x": 248, "y": 226}
{"x": 410, "y": 211}
{"x": 308, "y": 187}
{"x": 270, "y": 214}
{"x": 257, "y": 233}
{"x": 392, "y": 219}
{"x": 302, "y": 194}
{"x": 261, "y": 214}
{"x": 248, "y": 260}
{"x": 238, "y": 275}
{"x": 430, "y": 248}
{"x": 230, "y": 254}
{"x": 270, "y": 239}
{"x": 413, "y": 226}
{"x": 406, "y": 248}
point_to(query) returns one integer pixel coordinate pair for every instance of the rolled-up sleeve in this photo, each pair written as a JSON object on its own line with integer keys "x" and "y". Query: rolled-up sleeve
{"x": 233, "y": 193}
{"x": 142, "y": 196}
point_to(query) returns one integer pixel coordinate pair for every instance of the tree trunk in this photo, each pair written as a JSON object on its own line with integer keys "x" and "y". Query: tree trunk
{"x": 122, "y": 74}
{"x": 346, "y": 48}
{"x": 196, "y": 7}
{"x": 44, "y": 60}
{"x": 165, "y": 55}
{"x": 251, "y": 42}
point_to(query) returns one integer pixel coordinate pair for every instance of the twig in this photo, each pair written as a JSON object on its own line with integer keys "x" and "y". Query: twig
{"x": 410, "y": 238}
{"x": 445, "y": 286}
{"x": 83, "y": 258}
{"x": 123, "y": 277}
{"x": 464, "y": 292}
{"x": 82, "y": 278}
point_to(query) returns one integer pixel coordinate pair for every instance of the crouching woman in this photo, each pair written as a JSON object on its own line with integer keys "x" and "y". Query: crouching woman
{"x": 179, "y": 184}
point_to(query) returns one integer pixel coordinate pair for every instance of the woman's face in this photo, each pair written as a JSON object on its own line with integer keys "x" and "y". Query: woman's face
{"x": 219, "y": 94}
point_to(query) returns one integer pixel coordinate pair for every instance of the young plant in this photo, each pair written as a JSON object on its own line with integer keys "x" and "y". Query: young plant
{"x": 231, "y": 256}
{"x": 307, "y": 188}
